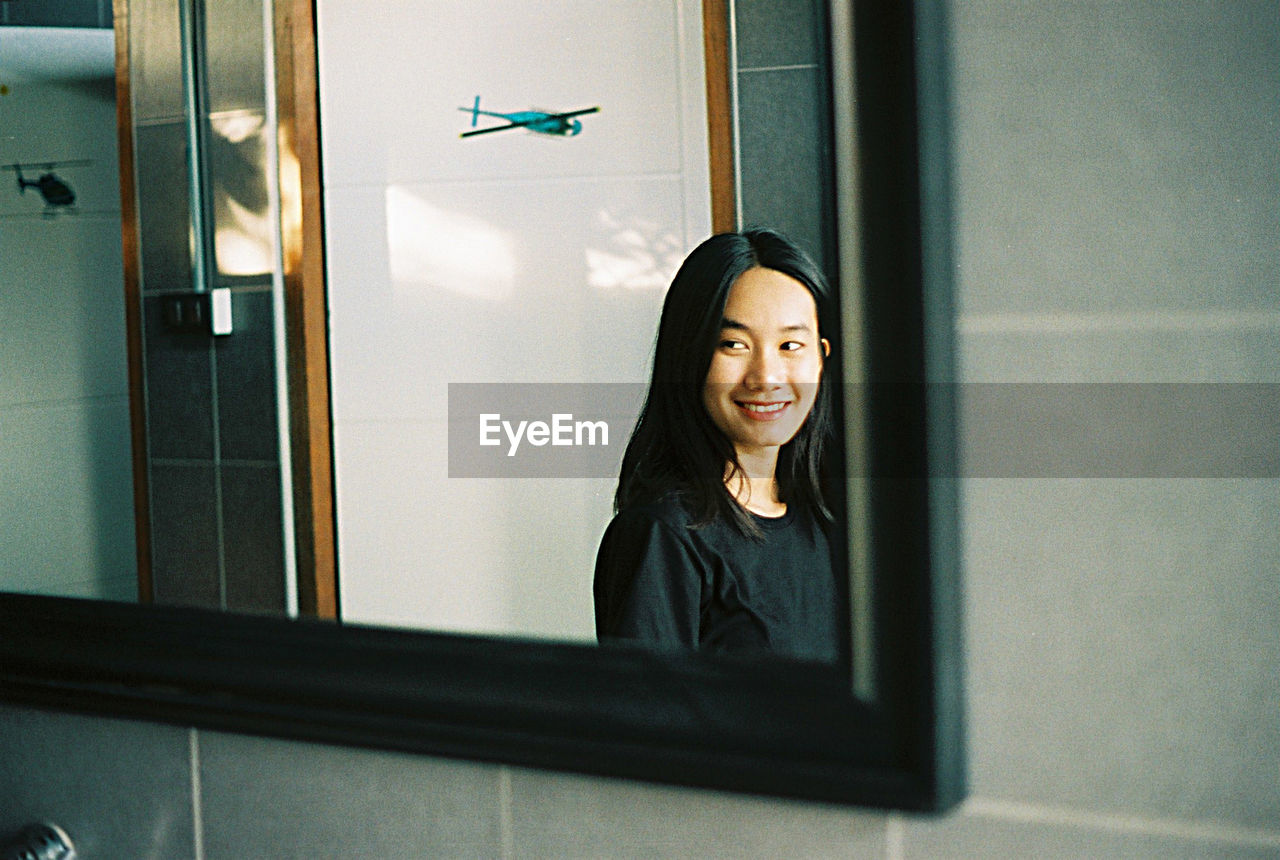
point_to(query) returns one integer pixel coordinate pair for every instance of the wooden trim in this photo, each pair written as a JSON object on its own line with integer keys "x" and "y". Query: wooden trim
{"x": 133, "y": 301}
{"x": 715, "y": 46}
{"x": 306, "y": 322}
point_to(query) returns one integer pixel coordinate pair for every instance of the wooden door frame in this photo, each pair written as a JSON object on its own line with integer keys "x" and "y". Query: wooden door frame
{"x": 306, "y": 305}
{"x": 716, "y": 48}
{"x": 129, "y": 230}
{"x": 306, "y": 324}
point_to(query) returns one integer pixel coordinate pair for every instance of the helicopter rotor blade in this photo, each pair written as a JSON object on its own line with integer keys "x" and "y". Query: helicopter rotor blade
{"x": 500, "y": 128}
{"x": 551, "y": 117}
{"x": 45, "y": 165}
{"x": 573, "y": 113}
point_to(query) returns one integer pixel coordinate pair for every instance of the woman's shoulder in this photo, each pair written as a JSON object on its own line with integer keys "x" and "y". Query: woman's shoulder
{"x": 666, "y": 511}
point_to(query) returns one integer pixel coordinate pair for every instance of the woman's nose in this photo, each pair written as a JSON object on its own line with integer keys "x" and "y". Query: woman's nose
{"x": 764, "y": 369}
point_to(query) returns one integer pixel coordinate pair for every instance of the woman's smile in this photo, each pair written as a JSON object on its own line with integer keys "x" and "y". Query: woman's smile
{"x": 768, "y": 411}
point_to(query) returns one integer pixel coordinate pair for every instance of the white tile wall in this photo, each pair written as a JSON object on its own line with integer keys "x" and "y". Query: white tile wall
{"x": 509, "y": 258}
{"x": 285, "y": 800}
{"x": 118, "y": 788}
{"x": 555, "y": 815}
{"x": 68, "y": 521}
{"x": 66, "y": 486}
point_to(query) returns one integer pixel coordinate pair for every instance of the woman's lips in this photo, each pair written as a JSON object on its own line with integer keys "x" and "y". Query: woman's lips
{"x": 770, "y": 410}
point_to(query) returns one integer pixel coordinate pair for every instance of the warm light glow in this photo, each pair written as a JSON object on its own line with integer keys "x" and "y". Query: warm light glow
{"x": 430, "y": 247}
{"x": 237, "y": 128}
{"x": 242, "y": 238}
{"x": 290, "y": 169}
{"x": 241, "y": 245}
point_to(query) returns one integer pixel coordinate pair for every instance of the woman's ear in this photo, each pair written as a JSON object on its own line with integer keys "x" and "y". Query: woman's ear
{"x": 826, "y": 348}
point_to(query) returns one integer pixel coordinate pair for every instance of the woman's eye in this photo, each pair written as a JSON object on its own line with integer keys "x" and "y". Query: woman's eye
{"x": 792, "y": 345}
{"x": 732, "y": 344}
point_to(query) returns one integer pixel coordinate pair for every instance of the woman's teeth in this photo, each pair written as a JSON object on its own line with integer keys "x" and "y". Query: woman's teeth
{"x": 761, "y": 407}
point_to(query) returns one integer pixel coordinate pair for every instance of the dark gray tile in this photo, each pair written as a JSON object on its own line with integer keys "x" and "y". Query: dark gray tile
{"x": 119, "y": 788}
{"x": 184, "y": 536}
{"x": 779, "y": 32}
{"x": 155, "y": 60}
{"x": 286, "y": 799}
{"x": 62, "y": 13}
{"x": 179, "y": 382}
{"x": 253, "y": 548}
{"x": 785, "y": 178}
{"x": 234, "y": 39}
{"x": 164, "y": 206}
{"x": 247, "y": 419}
{"x": 564, "y": 815}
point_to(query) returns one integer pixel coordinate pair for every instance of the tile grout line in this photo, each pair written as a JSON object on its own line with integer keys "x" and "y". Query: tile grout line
{"x": 197, "y": 815}
{"x": 67, "y": 402}
{"x": 895, "y": 837}
{"x": 1072, "y": 322}
{"x": 504, "y": 181}
{"x": 1189, "y": 829}
{"x": 504, "y": 814}
{"x": 795, "y": 67}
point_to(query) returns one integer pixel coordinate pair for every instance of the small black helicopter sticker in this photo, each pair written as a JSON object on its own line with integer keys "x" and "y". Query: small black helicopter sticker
{"x": 57, "y": 193}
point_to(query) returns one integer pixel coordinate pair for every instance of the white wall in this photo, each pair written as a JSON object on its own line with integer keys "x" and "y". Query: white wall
{"x": 505, "y": 258}
{"x": 66, "y": 483}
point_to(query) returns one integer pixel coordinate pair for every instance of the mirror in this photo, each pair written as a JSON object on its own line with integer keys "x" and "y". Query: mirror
{"x": 563, "y": 245}
{"x": 887, "y": 735}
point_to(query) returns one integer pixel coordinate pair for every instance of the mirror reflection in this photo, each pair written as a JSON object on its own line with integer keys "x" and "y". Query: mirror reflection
{"x": 66, "y": 512}
{"x": 722, "y": 541}
{"x": 522, "y": 259}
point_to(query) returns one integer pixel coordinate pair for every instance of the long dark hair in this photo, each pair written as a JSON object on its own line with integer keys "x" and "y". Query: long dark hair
{"x": 675, "y": 447}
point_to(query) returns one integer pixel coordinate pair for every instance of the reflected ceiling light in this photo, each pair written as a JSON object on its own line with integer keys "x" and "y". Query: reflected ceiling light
{"x": 237, "y": 128}
{"x": 240, "y": 242}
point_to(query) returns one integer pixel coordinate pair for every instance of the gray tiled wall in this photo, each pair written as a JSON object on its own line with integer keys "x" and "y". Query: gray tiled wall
{"x": 213, "y": 443}
{"x": 784, "y": 154}
{"x": 56, "y": 13}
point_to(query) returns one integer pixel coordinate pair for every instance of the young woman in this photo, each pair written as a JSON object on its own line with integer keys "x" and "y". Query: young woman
{"x": 720, "y": 540}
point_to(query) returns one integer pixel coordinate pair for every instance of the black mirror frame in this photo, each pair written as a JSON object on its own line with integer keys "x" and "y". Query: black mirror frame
{"x": 762, "y": 726}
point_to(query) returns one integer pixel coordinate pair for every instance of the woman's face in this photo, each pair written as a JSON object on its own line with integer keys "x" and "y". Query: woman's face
{"x": 767, "y": 363}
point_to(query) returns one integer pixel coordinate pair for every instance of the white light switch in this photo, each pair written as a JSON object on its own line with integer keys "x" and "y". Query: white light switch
{"x": 220, "y": 310}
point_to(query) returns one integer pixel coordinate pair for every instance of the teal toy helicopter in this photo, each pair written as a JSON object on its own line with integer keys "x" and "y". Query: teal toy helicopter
{"x": 558, "y": 124}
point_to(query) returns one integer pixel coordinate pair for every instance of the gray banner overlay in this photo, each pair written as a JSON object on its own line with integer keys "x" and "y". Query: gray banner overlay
{"x": 1119, "y": 430}
{"x": 1006, "y": 430}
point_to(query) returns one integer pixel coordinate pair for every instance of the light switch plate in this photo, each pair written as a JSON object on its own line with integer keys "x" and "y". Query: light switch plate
{"x": 220, "y": 311}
